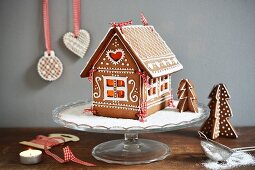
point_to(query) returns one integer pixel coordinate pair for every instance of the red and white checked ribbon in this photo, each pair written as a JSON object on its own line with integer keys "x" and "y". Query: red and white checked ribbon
{"x": 68, "y": 155}
{"x": 144, "y": 77}
{"x": 91, "y": 74}
{"x": 143, "y": 111}
{"x": 171, "y": 101}
{"x": 90, "y": 110}
{"x": 144, "y": 20}
{"x": 121, "y": 24}
{"x": 76, "y": 17}
{"x": 46, "y": 25}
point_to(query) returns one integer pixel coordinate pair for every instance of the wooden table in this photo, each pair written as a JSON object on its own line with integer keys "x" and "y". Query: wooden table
{"x": 185, "y": 146}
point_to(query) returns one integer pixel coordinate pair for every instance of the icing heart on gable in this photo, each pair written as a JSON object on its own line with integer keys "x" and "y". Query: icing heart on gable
{"x": 115, "y": 56}
{"x": 78, "y": 45}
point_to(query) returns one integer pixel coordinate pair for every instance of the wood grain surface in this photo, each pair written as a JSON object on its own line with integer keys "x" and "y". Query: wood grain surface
{"x": 184, "y": 144}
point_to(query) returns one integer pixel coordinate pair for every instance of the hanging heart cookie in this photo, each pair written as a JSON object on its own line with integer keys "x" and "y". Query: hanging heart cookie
{"x": 79, "y": 44}
{"x": 49, "y": 66}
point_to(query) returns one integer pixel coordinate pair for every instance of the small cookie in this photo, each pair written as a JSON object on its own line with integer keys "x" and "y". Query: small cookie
{"x": 187, "y": 96}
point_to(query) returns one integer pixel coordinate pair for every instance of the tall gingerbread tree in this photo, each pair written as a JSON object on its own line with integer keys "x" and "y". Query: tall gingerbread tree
{"x": 187, "y": 96}
{"x": 211, "y": 127}
{"x": 218, "y": 122}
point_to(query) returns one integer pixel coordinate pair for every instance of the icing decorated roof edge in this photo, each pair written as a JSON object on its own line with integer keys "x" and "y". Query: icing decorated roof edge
{"x": 149, "y": 49}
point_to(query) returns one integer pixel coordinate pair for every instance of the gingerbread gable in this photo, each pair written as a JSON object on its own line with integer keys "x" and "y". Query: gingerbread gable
{"x": 148, "y": 48}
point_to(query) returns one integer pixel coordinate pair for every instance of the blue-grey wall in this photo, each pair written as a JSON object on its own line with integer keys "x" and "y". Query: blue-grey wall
{"x": 214, "y": 40}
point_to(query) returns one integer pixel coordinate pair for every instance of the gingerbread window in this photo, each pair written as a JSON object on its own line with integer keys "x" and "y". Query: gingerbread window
{"x": 164, "y": 84}
{"x": 152, "y": 92}
{"x": 115, "y": 88}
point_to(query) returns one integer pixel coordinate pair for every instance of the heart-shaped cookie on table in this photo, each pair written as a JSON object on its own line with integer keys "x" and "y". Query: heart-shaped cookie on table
{"x": 115, "y": 56}
{"x": 78, "y": 45}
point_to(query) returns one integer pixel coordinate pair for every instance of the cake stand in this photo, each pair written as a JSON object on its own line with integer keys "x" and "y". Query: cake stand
{"x": 130, "y": 150}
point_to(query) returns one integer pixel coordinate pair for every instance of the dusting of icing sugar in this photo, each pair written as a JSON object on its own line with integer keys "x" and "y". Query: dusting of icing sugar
{"x": 237, "y": 159}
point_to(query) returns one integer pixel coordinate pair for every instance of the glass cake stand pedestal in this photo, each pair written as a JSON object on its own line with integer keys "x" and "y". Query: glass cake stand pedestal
{"x": 130, "y": 150}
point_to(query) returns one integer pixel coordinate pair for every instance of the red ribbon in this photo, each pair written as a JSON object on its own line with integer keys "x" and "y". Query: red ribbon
{"x": 144, "y": 77}
{"x": 91, "y": 74}
{"x": 143, "y": 111}
{"x": 121, "y": 24}
{"x": 46, "y": 25}
{"x": 90, "y": 110}
{"x": 68, "y": 155}
{"x": 43, "y": 140}
{"x": 144, "y": 20}
{"x": 76, "y": 17}
{"x": 171, "y": 101}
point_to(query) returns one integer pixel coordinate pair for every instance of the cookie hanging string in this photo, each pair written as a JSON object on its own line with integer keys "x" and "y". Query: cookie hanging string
{"x": 46, "y": 25}
{"x": 76, "y": 17}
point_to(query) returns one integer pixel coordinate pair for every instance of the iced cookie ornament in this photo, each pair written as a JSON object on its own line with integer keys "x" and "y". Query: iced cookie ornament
{"x": 49, "y": 66}
{"x": 78, "y": 40}
{"x": 218, "y": 123}
{"x": 131, "y": 72}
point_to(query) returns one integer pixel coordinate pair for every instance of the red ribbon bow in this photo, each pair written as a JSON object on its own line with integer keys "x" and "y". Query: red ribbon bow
{"x": 121, "y": 24}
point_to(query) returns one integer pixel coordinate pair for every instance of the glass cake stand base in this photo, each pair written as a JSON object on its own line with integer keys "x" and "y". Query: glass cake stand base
{"x": 131, "y": 150}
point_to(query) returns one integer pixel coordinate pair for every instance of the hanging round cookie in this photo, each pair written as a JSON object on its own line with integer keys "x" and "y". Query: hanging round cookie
{"x": 49, "y": 67}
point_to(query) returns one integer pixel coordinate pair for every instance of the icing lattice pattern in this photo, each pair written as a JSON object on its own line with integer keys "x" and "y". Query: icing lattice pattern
{"x": 151, "y": 49}
{"x": 50, "y": 68}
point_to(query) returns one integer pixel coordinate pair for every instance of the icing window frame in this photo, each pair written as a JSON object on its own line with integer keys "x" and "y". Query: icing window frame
{"x": 164, "y": 84}
{"x": 152, "y": 92}
{"x": 115, "y": 88}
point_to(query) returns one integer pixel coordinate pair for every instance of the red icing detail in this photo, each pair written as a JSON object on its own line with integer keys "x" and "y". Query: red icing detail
{"x": 115, "y": 56}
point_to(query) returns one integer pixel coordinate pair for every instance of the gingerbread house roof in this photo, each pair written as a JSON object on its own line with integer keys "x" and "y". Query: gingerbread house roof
{"x": 149, "y": 50}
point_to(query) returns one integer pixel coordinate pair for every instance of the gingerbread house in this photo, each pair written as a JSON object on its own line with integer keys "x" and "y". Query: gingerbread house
{"x": 131, "y": 73}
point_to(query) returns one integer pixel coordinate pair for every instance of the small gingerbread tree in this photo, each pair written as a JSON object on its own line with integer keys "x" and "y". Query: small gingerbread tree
{"x": 187, "y": 96}
{"x": 218, "y": 124}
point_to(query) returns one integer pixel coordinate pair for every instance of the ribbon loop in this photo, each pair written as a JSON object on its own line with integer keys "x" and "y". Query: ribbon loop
{"x": 68, "y": 154}
{"x": 144, "y": 20}
{"x": 46, "y": 25}
{"x": 76, "y": 17}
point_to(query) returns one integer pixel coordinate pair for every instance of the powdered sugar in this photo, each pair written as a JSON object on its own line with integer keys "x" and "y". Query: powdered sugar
{"x": 237, "y": 159}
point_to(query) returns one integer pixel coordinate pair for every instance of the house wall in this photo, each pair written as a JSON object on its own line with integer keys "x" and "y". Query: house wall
{"x": 213, "y": 39}
{"x": 116, "y": 62}
{"x": 161, "y": 100}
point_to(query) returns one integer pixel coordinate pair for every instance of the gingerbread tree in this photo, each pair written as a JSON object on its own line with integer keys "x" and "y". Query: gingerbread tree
{"x": 218, "y": 122}
{"x": 187, "y": 96}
